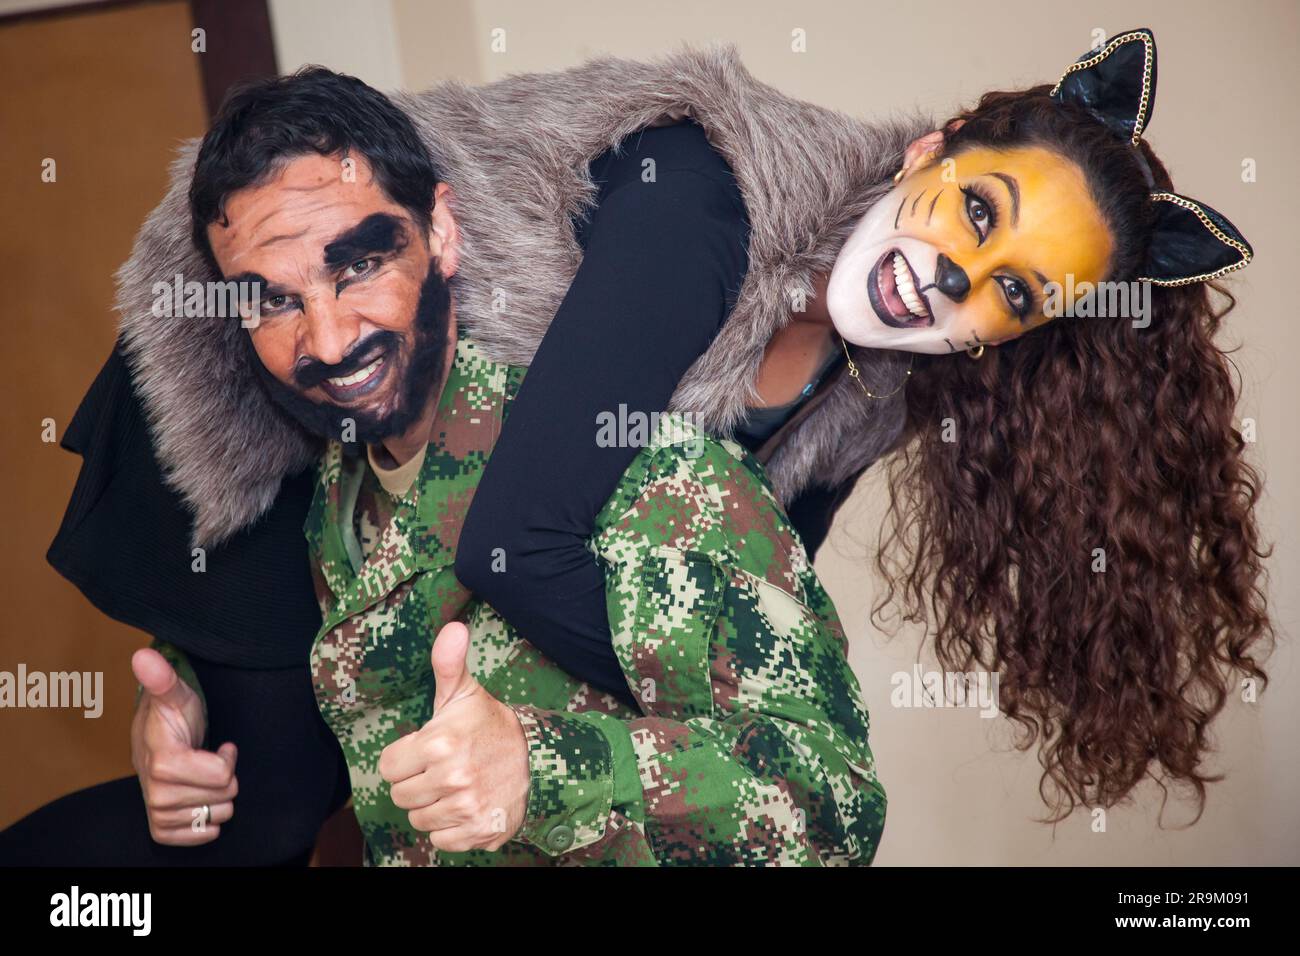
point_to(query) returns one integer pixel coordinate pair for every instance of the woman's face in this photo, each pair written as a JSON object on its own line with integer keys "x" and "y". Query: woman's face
{"x": 958, "y": 253}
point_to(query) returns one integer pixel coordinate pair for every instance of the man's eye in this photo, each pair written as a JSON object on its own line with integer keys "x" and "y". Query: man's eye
{"x": 1018, "y": 295}
{"x": 273, "y": 303}
{"x": 361, "y": 267}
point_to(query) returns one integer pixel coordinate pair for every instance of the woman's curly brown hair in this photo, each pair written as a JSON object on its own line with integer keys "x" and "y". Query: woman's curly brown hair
{"x": 1086, "y": 434}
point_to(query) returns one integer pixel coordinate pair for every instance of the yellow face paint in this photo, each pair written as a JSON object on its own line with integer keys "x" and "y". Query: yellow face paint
{"x": 958, "y": 253}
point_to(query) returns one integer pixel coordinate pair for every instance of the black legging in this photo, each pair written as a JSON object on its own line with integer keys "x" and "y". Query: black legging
{"x": 291, "y": 774}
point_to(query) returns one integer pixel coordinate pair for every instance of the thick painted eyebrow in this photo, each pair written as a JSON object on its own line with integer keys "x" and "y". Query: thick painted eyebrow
{"x": 378, "y": 232}
{"x": 1013, "y": 188}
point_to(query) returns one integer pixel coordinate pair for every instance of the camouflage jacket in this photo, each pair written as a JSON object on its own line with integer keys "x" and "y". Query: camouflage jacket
{"x": 752, "y": 744}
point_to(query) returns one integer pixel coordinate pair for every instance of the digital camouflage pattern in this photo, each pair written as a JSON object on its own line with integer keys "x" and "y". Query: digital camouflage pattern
{"x": 752, "y": 748}
{"x": 381, "y": 610}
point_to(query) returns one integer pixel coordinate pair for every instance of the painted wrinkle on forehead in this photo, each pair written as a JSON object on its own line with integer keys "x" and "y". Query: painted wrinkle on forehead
{"x": 280, "y": 228}
{"x": 1058, "y": 229}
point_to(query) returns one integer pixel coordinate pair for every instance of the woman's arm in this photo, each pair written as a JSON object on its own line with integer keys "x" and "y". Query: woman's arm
{"x": 664, "y": 261}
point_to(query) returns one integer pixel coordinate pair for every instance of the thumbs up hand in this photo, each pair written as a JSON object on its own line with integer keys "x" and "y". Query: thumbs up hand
{"x": 464, "y": 775}
{"x": 188, "y": 792}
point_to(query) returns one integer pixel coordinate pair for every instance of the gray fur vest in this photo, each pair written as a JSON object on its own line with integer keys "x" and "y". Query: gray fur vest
{"x": 515, "y": 153}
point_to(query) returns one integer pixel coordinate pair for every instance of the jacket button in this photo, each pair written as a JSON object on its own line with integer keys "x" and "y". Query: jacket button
{"x": 560, "y": 837}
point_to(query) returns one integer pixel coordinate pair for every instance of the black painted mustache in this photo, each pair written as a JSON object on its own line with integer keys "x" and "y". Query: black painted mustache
{"x": 312, "y": 372}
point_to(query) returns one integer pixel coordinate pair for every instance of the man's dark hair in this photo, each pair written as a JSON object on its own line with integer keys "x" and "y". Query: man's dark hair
{"x": 263, "y": 123}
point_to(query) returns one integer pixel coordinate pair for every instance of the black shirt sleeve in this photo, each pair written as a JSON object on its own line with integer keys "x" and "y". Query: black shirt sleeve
{"x": 664, "y": 260}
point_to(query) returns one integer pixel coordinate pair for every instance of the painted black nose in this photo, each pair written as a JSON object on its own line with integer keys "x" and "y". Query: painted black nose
{"x": 951, "y": 279}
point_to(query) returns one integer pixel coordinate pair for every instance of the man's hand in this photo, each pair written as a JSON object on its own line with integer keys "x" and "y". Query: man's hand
{"x": 177, "y": 778}
{"x": 464, "y": 775}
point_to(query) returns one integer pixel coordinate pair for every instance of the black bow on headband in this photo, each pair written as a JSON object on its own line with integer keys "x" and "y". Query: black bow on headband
{"x": 1117, "y": 85}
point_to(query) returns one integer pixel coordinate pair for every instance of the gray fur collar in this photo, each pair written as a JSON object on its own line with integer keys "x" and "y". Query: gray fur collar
{"x": 515, "y": 153}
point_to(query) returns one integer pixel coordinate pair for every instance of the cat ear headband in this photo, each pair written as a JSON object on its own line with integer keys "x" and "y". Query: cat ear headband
{"x": 1117, "y": 85}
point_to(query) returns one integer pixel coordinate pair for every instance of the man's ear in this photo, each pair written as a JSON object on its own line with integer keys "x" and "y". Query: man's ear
{"x": 444, "y": 235}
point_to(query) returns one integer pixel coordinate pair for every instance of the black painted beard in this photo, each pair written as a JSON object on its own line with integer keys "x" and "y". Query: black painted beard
{"x": 422, "y": 373}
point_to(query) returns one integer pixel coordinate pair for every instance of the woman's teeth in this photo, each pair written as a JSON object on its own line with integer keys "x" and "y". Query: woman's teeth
{"x": 358, "y": 376}
{"x": 907, "y": 289}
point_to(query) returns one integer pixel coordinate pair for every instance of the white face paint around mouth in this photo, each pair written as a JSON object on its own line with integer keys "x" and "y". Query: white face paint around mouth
{"x": 917, "y": 317}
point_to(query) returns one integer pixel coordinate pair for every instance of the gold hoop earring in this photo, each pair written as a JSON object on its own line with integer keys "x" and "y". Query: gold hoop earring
{"x": 898, "y": 176}
{"x": 856, "y": 374}
{"x": 977, "y": 352}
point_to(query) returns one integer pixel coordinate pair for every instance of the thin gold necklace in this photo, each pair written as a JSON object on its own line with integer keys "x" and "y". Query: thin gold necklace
{"x": 857, "y": 375}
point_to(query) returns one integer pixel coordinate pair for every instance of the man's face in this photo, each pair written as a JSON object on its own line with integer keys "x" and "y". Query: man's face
{"x": 354, "y": 307}
{"x": 958, "y": 253}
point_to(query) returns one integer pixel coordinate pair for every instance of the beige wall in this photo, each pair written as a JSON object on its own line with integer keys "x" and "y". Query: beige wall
{"x": 1228, "y": 76}
{"x": 308, "y": 31}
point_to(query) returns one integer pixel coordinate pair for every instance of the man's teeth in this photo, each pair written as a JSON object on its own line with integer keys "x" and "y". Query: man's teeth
{"x": 907, "y": 289}
{"x": 358, "y": 376}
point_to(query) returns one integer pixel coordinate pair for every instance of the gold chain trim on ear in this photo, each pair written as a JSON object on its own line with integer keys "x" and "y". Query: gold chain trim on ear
{"x": 857, "y": 375}
{"x": 1148, "y": 57}
{"x": 1218, "y": 234}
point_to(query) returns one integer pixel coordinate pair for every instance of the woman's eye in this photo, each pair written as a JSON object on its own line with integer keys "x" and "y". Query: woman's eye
{"x": 1018, "y": 296}
{"x": 978, "y": 212}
